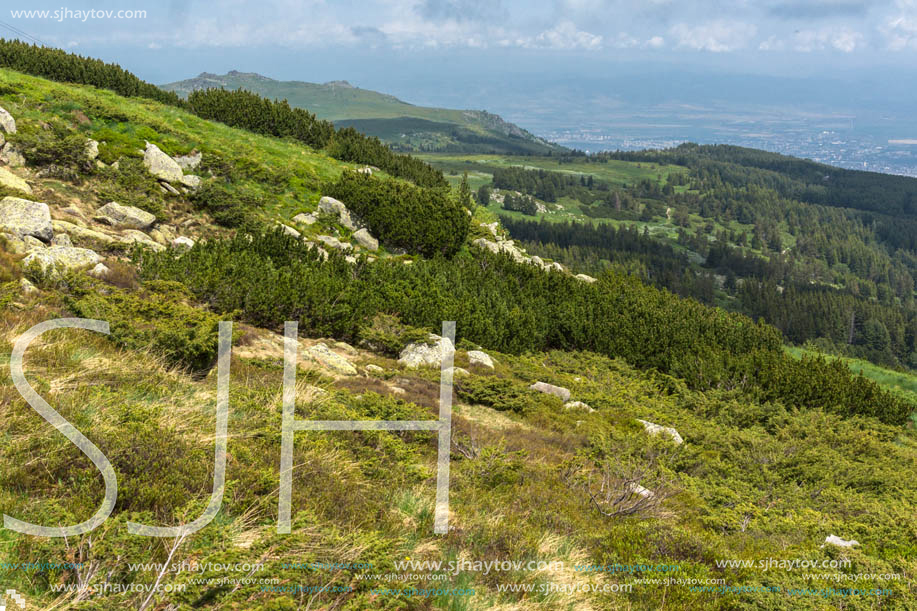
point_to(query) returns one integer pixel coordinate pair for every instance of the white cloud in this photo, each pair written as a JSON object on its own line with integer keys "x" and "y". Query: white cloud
{"x": 900, "y": 29}
{"x": 566, "y": 36}
{"x": 717, "y": 36}
{"x": 656, "y": 42}
{"x": 840, "y": 39}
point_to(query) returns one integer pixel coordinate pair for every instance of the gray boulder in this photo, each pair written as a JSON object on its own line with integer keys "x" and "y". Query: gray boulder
{"x": 133, "y": 236}
{"x": 366, "y": 240}
{"x": 835, "y": 540}
{"x": 7, "y": 122}
{"x": 585, "y": 278}
{"x": 92, "y": 149}
{"x": 476, "y": 357}
{"x": 99, "y": 271}
{"x": 426, "y": 354}
{"x": 550, "y": 389}
{"x": 161, "y": 165}
{"x": 336, "y": 208}
{"x": 289, "y": 230}
{"x": 657, "y": 429}
{"x": 82, "y": 233}
{"x": 578, "y": 405}
{"x": 23, "y": 217}
{"x": 120, "y": 216}
{"x": 61, "y": 239}
{"x": 27, "y": 287}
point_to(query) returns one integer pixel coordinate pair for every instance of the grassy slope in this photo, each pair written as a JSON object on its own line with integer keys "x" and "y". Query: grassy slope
{"x": 752, "y": 481}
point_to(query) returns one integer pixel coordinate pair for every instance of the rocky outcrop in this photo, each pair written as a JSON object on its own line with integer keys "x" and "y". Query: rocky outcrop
{"x": 476, "y": 357}
{"x": 366, "y": 240}
{"x": 11, "y": 181}
{"x": 61, "y": 239}
{"x": 550, "y": 389}
{"x": 22, "y": 217}
{"x": 189, "y": 161}
{"x": 336, "y": 363}
{"x": 68, "y": 257}
{"x": 337, "y": 209}
{"x": 502, "y": 246}
{"x": 161, "y": 165}
{"x": 7, "y": 122}
{"x": 124, "y": 217}
{"x": 657, "y": 429}
{"x": 426, "y": 354}
{"x": 585, "y": 278}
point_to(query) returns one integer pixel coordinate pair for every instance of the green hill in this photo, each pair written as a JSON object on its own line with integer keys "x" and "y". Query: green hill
{"x": 582, "y": 504}
{"x": 404, "y": 126}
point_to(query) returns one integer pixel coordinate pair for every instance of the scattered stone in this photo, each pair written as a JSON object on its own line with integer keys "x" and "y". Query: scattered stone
{"x": 99, "y": 271}
{"x": 334, "y": 243}
{"x": 550, "y": 389}
{"x": 159, "y": 237}
{"x": 585, "y": 278}
{"x": 366, "y": 240}
{"x": 372, "y": 368}
{"x": 61, "y": 239}
{"x": 82, "y": 233}
{"x": 476, "y": 357}
{"x": 398, "y": 390}
{"x": 167, "y": 188}
{"x": 10, "y": 180}
{"x": 191, "y": 181}
{"x": 365, "y": 170}
{"x": 492, "y": 227}
{"x": 133, "y": 236}
{"x": 328, "y": 359}
{"x": 7, "y": 122}
{"x": 65, "y": 256}
{"x": 27, "y": 287}
{"x": 92, "y": 149}
{"x": 504, "y": 246}
{"x": 161, "y": 165}
{"x": 835, "y": 540}
{"x": 289, "y": 230}
{"x": 120, "y": 216}
{"x": 657, "y": 429}
{"x": 305, "y": 219}
{"x": 189, "y": 161}
{"x": 23, "y": 217}
{"x": 182, "y": 243}
{"x": 538, "y": 261}
{"x": 426, "y": 354}
{"x": 11, "y": 156}
{"x": 578, "y": 405}
{"x": 351, "y": 259}
{"x": 557, "y": 267}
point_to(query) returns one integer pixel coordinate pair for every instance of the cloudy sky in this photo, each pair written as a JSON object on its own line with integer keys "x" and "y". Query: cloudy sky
{"x": 500, "y": 54}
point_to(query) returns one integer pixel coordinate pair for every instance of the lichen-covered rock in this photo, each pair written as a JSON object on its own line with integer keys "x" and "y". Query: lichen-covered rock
{"x": 61, "y": 239}
{"x": 189, "y": 161}
{"x": 124, "y": 217}
{"x": 550, "y": 389}
{"x": 99, "y": 271}
{"x": 92, "y": 149}
{"x": 336, "y": 208}
{"x": 578, "y": 405}
{"x": 476, "y": 357}
{"x": 82, "y": 233}
{"x": 426, "y": 354}
{"x": 366, "y": 240}
{"x": 133, "y": 236}
{"x": 27, "y": 287}
{"x": 68, "y": 257}
{"x": 182, "y": 243}
{"x": 191, "y": 181}
{"x": 161, "y": 165}
{"x": 585, "y": 278}
{"x": 333, "y": 242}
{"x": 657, "y": 429}
{"x": 289, "y": 230}
{"x": 23, "y": 217}
{"x": 330, "y": 360}
{"x": 10, "y": 180}
{"x": 11, "y": 156}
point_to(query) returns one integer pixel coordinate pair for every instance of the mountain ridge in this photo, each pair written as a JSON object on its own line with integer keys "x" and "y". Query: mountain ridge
{"x": 383, "y": 115}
